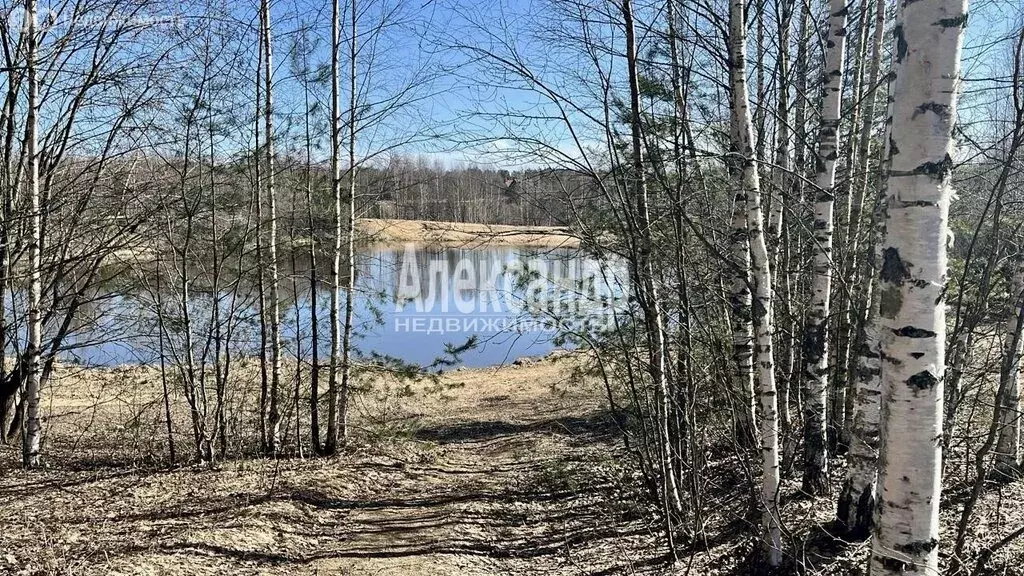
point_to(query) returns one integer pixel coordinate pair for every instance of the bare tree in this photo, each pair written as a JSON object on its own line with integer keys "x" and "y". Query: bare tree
{"x": 350, "y": 229}
{"x": 333, "y": 394}
{"x": 761, "y": 278}
{"x": 33, "y": 427}
{"x": 274, "y": 423}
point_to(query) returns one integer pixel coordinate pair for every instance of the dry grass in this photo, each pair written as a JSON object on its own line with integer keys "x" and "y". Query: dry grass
{"x": 504, "y": 471}
{"x": 514, "y": 470}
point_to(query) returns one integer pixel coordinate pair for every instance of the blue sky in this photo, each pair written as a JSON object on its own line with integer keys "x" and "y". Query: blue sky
{"x": 453, "y": 107}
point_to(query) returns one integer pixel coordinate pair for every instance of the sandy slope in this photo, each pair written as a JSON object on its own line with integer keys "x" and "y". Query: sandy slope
{"x": 464, "y": 234}
{"x": 501, "y": 472}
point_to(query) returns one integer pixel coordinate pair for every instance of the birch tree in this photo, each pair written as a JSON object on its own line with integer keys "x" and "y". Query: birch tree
{"x": 742, "y": 326}
{"x": 79, "y": 194}
{"x": 856, "y": 501}
{"x": 847, "y": 261}
{"x": 1008, "y": 445}
{"x": 257, "y": 201}
{"x": 928, "y": 37}
{"x": 331, "y": 442}
{"x": 350, "y": 232}
{"x": 815, "y": 480}
{"x": 33, "y": 428}
{"x": 274, "y": 423}
{"x": 742, "y": 135}
{"x": 781, "y": 178}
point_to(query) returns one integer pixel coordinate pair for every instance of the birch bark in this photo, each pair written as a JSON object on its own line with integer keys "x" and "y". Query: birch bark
{"x": 815, "y": 479}
{"x": 857, "y": 499}
{"x": 928, "y": 36}
{"x": 1008, "y": 445}
{"x": 274, "y": 433}
{"x": 33, "y": 426}
{"x": 743, "y": 144}
{"x": 331, "y": 442}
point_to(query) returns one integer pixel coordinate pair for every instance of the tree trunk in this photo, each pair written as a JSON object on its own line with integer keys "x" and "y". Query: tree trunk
{"x": 794, "y": 229}
{"x": 219, "y": 343}
{"x": 274, "y": 423}
{"x": 815, "y": 479}
{"x": 33, "y": 428}
{"x": 847, "y": 262}
{"x": 163, "y": 361}
{"x": 912, "y": 281}
{"x": 257, "y": 195}
{"x": 742, "y": 326}
{"x": 331, "y": 442}
{"x": 856, "y": 502}
{"x": 743, "y": 144}
{"x": 781, "y": 179}
{"x": 645, "y": 284}
{"x": 1008, "y": 445}
{"x": 862, "y": 176}
{"x": 350, "y": 240}
{"x": 314, "y": 318}
{"x": 297, "y": 374}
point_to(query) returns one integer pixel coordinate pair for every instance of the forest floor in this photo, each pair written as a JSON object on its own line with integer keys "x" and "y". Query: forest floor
{"x": 392, "y": 232}
{"x": 506, "y": 471}
{"x": 502, "y": 471}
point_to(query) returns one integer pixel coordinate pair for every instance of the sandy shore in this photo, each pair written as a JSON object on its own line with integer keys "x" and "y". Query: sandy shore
{"x": 385, "y": 231}
{"x": 483, "y": 472}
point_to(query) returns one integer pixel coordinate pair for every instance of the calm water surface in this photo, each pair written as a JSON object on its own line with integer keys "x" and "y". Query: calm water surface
{"x": 411, "y": 305}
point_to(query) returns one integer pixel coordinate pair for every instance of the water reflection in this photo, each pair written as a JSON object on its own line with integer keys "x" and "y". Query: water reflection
{"x": 410, "y": 303}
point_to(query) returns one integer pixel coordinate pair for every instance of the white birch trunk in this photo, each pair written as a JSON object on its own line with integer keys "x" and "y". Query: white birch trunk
{"x": 274, "y": 434}
{"x": 258, "y": 209}
{"x": 862, "y": 176}
{"x": 781, "y": 177}
{"x": 849, "y": 258}
{"x": 781, "y": 173}
{"x": 743, "y": 145}
{"x": 857, "y": 500}
{"x": 928, "y": 36}
{"x": 330, "y": 444}
{"x": 815, "y": 479}
{"x": 350, "y": 241}
{"x": 1008, "y": 445}
{"x": 742, "y": 327}
{"x": 33, "y": 426}
{"x": 740, "y": 305}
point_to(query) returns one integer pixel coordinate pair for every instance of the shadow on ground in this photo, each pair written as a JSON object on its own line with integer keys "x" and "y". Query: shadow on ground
{"x": 484, "y": 497}
{"x": 593, "y": 427}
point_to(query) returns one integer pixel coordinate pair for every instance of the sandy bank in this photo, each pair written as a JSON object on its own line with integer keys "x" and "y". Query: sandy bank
{"x": 385, "y": 231}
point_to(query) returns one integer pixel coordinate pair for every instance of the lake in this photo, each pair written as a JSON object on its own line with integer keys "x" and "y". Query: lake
{"x": 412, "y": 304}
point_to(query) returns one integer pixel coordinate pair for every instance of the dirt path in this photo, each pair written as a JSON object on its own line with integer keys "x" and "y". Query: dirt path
{"x": 508, "y": 475}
